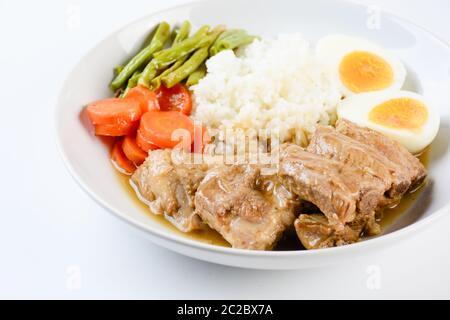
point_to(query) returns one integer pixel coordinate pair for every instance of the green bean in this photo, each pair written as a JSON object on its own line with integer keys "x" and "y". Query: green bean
{"x": 149, "y": 37}
{"x": 196, "y": 76}
{"x": 161, "y": 36}
{"x": 168, "y": 56}
{"x": 132, "y": 82}
{"x": 118, "y": 70}
{"x": 194, "y": 61}
{"x": 186, "y": 69}
{"x": 148, "y": 74}
{"x": 156, "y": 82}
{"x": 134, "y": 79}
{"x": 230, "y": 40}
{"x": 151, "y": 69}
{"x": 183, "y": 32}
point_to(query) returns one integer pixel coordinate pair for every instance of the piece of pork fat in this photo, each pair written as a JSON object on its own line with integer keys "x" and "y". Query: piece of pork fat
{"x": 250, "y": 210}
{"x": 167, "y": 182}
{"x": 391, "y": 149}
{"x": 379, "y": 175}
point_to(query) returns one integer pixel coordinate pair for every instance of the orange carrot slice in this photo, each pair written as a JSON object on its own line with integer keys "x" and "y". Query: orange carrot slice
{"x": 121, "y": 162}
{"x": 132, "y": 150}
{"x": 116, "y": 130}
{"x": 167, "y": 129}
{"x": 146, "y": 98}
{"x": 143, "y": 143}
{"x": 112, "y": 111}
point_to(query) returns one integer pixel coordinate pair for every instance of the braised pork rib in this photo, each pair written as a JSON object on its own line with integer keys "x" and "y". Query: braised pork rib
{"x": 348, "y": 174}
{"x": 250, "y": 210}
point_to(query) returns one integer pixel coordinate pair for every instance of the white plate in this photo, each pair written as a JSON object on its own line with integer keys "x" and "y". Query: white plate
{"x": 426, "y": 57}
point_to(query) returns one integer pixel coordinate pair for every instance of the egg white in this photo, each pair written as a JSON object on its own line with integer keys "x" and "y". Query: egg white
{"x": 358, "y": 107}
{"x": 331, "y": 49}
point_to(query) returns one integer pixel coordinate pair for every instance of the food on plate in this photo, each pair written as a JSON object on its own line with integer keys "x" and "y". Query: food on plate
{"x": 349, "y": 186}
{"x": 196, "y": 76}
{"x": 133, "y": 151}
{"x": 360, "y": 65}
{"x": 273, "y": 84}
{"x": 387, "y": 147}
{"x": 114, "y": 111}
{"x": 181, "y": 34}
{"x": 144, "y": 143}
{"x": 397, "y": 174}
{"x": 404, "y": 116}
{"x": 191, "y": 64}
{"x": 249, "y": 209}
{"x": 161, "y": 36}
{"x": 175, "y": 98}
{"x": 115, "y": 130}
{"x": 120, "y": 160}
{"x": 147, "y": 98}
{"x": 152, "y": 104}
{"x": 351, "y": 180}
{"x": 167, "y": 129}
{"x": 230, "y": 40}
{"x": 168, "y": 184}
{"x": 329, "y": 140}
{"x": 155, "y": 65}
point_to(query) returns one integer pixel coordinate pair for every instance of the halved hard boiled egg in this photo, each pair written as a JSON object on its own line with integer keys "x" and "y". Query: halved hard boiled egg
{"x": 359, "y": 65}
{"x": 404, "y": 116}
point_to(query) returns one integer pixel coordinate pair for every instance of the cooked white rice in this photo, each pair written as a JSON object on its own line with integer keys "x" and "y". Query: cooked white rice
{"x": 273, "y": 84}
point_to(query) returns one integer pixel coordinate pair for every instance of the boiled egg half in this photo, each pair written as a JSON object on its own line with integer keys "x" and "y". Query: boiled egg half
{"x": 404, "y": 116}
{"x": 359, "y": 65}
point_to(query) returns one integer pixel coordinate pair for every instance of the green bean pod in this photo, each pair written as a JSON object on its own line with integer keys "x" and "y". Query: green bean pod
{"x": 166, "y": 57}
{"x": 156, "y": 82}
{"x": 118, "y": 70}
{"x": 186, "y": 69}
{"x": 161, "y": 36}
{"x": 151, "y": 69}
{"x": 197, "y": 75}
{"x": 183, "y": 32}
{"x": 230, "y": 40}
{"x": 132, "y": 82}
{"x": 148, "y": 74}
{"x": 195, "y": 61}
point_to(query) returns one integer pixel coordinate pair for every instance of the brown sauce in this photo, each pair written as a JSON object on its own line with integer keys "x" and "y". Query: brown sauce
{"x": 289, "y": 241}
{"x": 389, "y": 216}
{"x": 209, "y": 236}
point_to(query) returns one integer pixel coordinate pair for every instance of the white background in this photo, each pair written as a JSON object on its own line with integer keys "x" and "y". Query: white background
{"x": 55, "y": 242}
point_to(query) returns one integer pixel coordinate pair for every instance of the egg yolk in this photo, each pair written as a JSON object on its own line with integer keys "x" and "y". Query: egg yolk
{"x": 362, "y": 71}
{"x": 400, "y": 113}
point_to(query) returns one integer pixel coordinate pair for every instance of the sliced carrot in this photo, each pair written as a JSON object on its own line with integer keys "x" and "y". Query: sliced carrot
{"x": 147, "y": 98}
{"x": 132, "y": 150}
{"x": 143, "y": 143}
{"x": 177, "y": 98}
{"x": 112, "y": 111}
{"x": 120, "y": 160}
{"x": 167, "y": 129}
{"x": 116, "y": 130}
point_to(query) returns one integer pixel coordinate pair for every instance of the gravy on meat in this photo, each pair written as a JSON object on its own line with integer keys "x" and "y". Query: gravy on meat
{"x": 289, "y": 241}
{"x": 206, "y": 235}
{"x": 352, "y": 187}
